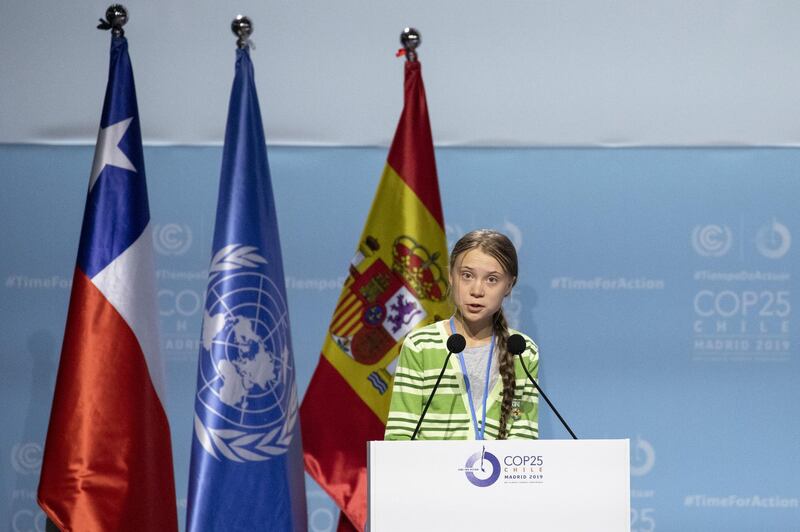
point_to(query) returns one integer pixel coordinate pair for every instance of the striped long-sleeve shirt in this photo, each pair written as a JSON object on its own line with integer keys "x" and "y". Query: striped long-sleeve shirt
{"x": 448, "y": 418}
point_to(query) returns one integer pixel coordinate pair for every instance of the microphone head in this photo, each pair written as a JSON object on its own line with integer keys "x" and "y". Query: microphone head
{"x": 456, "y": 343}
{"x": 516, "y": 344}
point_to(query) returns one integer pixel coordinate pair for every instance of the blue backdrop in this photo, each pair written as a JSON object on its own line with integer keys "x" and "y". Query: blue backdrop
{"x": 657, "y": 283}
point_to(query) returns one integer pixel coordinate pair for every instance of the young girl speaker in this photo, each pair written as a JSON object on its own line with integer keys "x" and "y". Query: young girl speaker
{"x": 458, "y": 379}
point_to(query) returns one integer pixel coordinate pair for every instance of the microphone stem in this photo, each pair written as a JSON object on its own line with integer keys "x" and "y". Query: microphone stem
{"x": 428, "y": 403}
{"x": 541, "y": 392}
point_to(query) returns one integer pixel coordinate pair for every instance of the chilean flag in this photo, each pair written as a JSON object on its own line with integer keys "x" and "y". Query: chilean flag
{"x": 108, "y": 459}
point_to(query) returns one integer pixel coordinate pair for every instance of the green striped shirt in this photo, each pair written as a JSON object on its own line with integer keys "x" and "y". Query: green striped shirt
{"x": 448, "y": 418}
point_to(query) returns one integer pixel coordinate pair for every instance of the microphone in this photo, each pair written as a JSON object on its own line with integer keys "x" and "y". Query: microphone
{"x": 455, "y": 344}
{"x": 516, "y": 346}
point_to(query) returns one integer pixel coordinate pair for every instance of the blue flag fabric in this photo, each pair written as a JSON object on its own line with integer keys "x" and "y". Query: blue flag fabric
{"x": 246, "y": 468}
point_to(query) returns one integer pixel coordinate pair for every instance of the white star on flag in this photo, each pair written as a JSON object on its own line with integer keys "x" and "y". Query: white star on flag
{"x": 107, "y": 153}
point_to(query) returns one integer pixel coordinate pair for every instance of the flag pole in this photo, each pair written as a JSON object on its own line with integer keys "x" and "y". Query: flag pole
{"x": 410, "y": 39}
{"x": 242, "y": 27}
{"x": 116, "y": 17}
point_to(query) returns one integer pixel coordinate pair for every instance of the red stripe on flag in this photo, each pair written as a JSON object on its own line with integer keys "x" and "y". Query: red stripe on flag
{"x": 411, "y": 154}
{"x": 346, "y": 316}
{"x": 107, "y": 462}
{"x": 348, "y": 299}
{"x": 355, "y": 327}
{"x": 334, "y": 436}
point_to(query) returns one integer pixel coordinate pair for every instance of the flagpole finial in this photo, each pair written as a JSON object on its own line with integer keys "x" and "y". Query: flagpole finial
{"x": 410, "y": 39}
{"x": 242, "y": 27}
{"x": 116, "y": 17}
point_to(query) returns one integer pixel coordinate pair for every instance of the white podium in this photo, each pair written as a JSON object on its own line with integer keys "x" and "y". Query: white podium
{"x": 542, "y": 485}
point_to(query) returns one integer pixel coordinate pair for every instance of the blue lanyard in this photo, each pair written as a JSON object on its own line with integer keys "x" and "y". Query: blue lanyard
{"x": 478, "y": 433}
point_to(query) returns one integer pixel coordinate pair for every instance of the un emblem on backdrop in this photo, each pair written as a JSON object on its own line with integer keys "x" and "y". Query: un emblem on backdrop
{"x": 247, "y": 378}
{"x": 172, "y": 239}
{"x": 712, "y": 240}
{"x": 26, "y": 458}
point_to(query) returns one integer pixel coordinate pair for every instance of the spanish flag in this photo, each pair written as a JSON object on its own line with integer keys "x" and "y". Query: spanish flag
{"x": 397, "y": 281}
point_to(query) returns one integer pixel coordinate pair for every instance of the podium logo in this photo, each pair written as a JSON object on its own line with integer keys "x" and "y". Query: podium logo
{"x": 482, "y": 469}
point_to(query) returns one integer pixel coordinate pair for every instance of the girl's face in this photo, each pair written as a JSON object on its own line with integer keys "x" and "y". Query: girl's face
{"x": 479, "y": 286}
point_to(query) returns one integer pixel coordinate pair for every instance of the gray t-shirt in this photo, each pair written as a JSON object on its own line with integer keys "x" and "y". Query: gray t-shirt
{"x": 475, "y": 359}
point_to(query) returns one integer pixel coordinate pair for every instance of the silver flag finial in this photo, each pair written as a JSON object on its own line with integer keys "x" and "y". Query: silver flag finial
{"x": 116, "y": 17}
{"x": 410, "y": 39}
{"x": 242, "y": 27}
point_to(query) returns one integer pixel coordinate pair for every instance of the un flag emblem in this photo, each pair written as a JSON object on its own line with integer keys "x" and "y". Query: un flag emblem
{"x": 246, "y": 400}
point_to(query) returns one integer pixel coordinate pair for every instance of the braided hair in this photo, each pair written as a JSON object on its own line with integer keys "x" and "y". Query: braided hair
{"x": 498, "y": 246}
{"x": 505, "y": 365}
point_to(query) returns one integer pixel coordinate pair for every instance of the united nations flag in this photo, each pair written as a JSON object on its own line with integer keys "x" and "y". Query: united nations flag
{"x": 246, "y": 466}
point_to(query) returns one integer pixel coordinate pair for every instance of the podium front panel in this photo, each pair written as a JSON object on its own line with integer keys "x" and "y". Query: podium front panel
{"x": 547, "y": 485}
